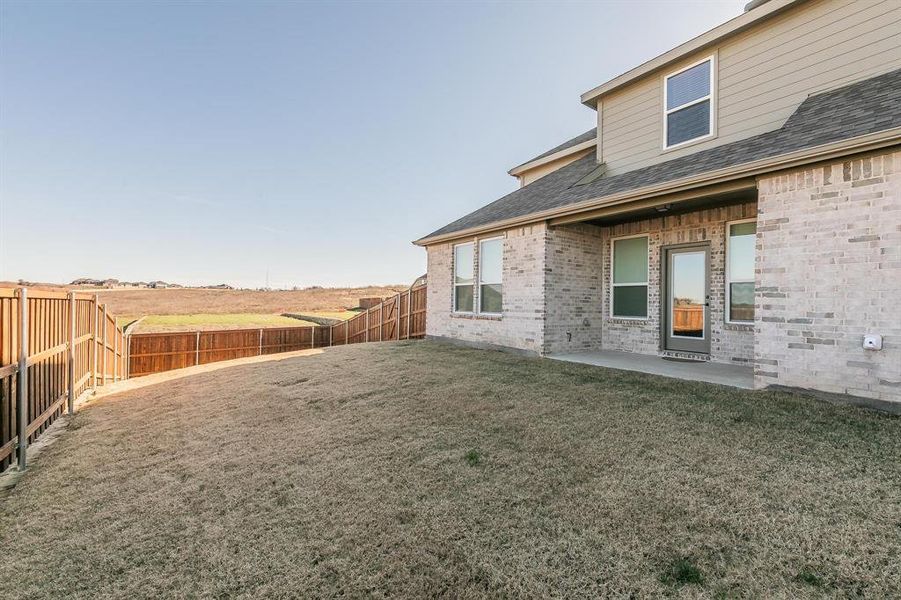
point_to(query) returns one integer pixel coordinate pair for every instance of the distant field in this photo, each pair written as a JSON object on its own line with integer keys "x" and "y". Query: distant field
{"x": 139, "y": 302}
{"x": 181, "y": 309}
{"x": 161, "y": 323}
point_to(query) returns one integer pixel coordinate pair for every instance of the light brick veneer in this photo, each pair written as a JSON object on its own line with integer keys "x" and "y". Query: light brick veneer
{"x": 728, "y": 343}
{"x": 573, "y": 288}
{"x": 522, "y": 323}
{"x": 828, "y": 272}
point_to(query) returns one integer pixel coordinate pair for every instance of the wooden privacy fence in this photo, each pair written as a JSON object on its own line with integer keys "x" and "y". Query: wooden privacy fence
{"x": 157, "y": 352}
{"x": 399, "y": 317}
{"x": 54, "y": 347}
{"x": 688, "y": 318}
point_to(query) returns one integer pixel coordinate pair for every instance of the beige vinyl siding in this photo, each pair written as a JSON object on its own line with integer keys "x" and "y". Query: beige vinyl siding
{"x": 527, "y": 177}
{"x": 763, "y": 74}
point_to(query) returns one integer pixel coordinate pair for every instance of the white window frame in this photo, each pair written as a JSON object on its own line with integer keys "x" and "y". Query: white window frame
{"x": 729, "y": 280}
{"x": 477, "y": 303}
{"x": 711, "y": 97}
{"x": 647, "y": 282}
{"x": 455, "y": 285}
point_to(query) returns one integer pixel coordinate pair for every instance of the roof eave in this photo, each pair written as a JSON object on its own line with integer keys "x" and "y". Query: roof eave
{"x": 705, "y": 40}
{"x": 864, "y": 143}
{"x": 528, "y": 166}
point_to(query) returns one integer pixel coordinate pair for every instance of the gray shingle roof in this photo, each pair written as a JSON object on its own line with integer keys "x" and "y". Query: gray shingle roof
{"x": 583, "y": 137}
{"x": 861, "y": 108}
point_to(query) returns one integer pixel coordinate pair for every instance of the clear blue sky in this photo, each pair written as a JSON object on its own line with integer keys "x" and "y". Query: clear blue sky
{"x": 206, "y": 142}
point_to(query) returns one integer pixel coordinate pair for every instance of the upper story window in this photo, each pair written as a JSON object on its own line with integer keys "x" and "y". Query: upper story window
{"x": 463, "y": 277}
{"x": 491, "y": 289}
{"x": 688, "y": 97}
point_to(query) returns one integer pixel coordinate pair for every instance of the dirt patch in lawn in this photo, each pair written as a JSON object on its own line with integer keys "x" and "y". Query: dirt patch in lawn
{"x": 420, "y": 469}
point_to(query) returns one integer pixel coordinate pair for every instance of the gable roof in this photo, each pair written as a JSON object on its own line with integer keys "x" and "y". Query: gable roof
{"x": 860, "y": 109}
{"x": 755, "y": 14}
{"x": 589, "y": 136}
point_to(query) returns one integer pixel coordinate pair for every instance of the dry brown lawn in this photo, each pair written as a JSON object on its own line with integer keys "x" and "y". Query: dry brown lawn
{"x": 419, "y": 469}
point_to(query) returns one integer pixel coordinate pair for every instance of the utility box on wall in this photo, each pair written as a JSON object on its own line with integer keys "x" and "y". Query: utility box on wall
{"x": 872, "y": 341}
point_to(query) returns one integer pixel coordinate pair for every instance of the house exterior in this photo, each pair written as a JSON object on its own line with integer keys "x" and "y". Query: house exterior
{"x": 739, "y": 201}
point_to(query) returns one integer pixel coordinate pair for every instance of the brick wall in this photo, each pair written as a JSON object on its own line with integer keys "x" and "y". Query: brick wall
{"x": 729, "y": 343}
{"x": 573, "y": 288}
{"x": 828, "y": 272}
{"x": 522, "y": 323}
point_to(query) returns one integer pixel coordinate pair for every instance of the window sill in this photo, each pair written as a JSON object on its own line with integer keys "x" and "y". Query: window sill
{"x": 477, "y": 316}
{"x": 629, "y": 320}
{"x": 689, "y": 143}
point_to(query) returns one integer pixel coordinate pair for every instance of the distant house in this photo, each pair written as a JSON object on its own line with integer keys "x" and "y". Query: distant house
{"x": 158, "y": 285}
{"x": 86, "y": 281}
{"x": 739, "y": 201}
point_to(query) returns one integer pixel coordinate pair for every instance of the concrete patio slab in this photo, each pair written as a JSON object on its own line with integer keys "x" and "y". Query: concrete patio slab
{"x": 708, "y": 372}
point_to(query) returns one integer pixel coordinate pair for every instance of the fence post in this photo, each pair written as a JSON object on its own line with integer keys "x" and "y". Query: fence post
{"x": 22, "y": 380}
{"x": 95, "y": 340}
{"x": 312, "y": 337}
{"x": 115, "y": 354}
{"x": 105, "y": 328}
{"x": 330, "y": 328}
{"x": 381, "y": 318}
{"x": 197, "y": 349}
{"x": 347, "y": 332}
{"x": 261, "y": 342}
{"x": 409, "y": 310}
{"x": 71, "y": 396}
{"x": 127, "y": 355}
{"x": 367, "y": 325}
{"x": 397, "y": 319}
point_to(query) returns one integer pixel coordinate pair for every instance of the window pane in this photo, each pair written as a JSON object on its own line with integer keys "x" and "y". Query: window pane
{"x": 743, "y": 229}
{"x": 463, "y": 270}
{"x": 630, "y": 301}
{"x": 688, "y": 85}
{"x": 741, "y": 251}
{"x": 491, "y": 298}
{"x": 741, "y": 302}
{"x": 688, "y": 123}
{"x": 463, "y": 298}
{"x": 490, "y": 261}
{"x": 689, "y": 283}
{"x": 630, "y": 260}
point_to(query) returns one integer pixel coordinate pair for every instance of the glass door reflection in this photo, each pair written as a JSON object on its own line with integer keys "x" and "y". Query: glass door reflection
{"x": 688, "y": 299}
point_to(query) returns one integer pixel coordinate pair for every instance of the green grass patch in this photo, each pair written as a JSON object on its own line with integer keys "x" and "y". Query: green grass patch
{"x": 682, "y": 571}
{"x": 810, "y": 577}
{"x": 194, "y": 322}
{"x": 473, "y": 458}
{"x": 342, "y": 315}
